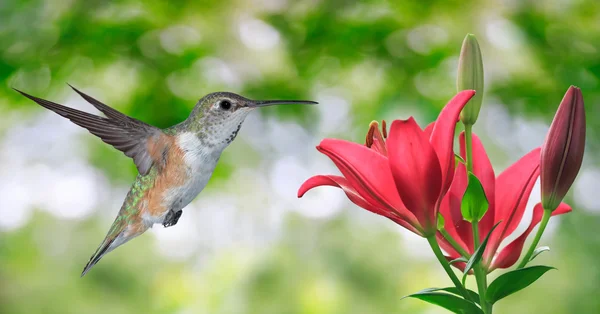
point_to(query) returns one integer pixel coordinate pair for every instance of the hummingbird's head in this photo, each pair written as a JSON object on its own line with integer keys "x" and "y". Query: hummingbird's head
{"x": 219, "y": 116}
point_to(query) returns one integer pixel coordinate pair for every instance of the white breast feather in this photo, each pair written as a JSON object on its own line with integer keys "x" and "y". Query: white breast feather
{"x": 194, "y": 154}
{"x": 200, "y": 163}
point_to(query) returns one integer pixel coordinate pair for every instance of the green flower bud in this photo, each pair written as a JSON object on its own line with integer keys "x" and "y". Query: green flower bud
{"x": 470, "y": 76}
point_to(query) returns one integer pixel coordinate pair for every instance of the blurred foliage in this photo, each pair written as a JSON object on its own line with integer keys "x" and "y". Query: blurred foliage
{"x": 154, "y": 59}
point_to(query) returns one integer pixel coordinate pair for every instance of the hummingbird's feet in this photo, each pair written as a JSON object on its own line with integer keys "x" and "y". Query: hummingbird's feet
{"x": 172, "y": 218}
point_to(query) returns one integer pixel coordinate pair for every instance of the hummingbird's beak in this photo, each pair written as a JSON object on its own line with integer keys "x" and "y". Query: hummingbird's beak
{"x": 264, "y": 103}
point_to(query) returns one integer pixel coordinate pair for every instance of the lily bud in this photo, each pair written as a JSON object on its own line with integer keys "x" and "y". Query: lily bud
{"x": 470, "y": 76}
{"x": 562, "y": 152}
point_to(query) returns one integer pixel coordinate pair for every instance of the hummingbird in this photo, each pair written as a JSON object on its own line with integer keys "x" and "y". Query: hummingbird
{"x": 174, "y": 164}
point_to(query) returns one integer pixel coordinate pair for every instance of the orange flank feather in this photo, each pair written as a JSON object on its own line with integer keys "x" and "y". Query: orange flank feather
{"x": 173, "y": 174}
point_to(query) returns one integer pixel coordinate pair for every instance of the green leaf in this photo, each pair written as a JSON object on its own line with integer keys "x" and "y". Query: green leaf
{"x": 458, "y": 158}
{"x": 440, "y": 222}
{"x": 455, "y": 291}
{"x": 514, "y": 281}
{"x": 458, "y": 260}
{"x": 474, "y": 202}
{"x": 538, "y": 251}
{"x": 476, "y": 257}
{"x": 448, "y": 301}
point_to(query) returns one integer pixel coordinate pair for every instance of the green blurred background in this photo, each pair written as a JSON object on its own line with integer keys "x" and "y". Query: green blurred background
{"x": 247, "y": 245}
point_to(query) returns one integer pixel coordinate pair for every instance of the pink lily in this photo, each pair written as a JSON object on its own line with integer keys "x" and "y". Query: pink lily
{"x": 403, "y": 177}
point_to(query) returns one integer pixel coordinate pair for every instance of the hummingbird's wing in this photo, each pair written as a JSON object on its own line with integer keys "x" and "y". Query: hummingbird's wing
{"x": 108, "y": 111}
{"x": 133, "y": 137}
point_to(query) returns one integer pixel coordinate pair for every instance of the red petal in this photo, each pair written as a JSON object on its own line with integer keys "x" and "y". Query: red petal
{"x": 457, "y": 190}
{"x": 563, "y": 208}
{"x": 513, "y": 188}
{"x": 368, "y": 173}
{"x": 415, "y": 169}
{"x": 451, "y": 253}
{"x": 429, "y": 129}
{"x": 454, "y": 224}
{"x": 342, "y": 183}
{"x": 446, "y": 246}
{"x": 510, "y": 254}
{"x": 405, "y": 224}
{"x": 442, "y": 136}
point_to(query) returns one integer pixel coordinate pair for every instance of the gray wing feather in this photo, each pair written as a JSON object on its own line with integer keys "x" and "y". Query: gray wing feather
{"x": 126, "y": 134}
{"x": 108, "y": 111}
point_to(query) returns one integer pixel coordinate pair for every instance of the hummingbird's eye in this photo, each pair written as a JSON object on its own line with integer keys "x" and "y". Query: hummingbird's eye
{"x": 225, "y": 104}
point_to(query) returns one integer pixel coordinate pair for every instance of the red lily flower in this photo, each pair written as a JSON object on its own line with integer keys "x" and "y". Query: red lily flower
{"x": 507, "y": 195}
{"x": 404, "y": 178}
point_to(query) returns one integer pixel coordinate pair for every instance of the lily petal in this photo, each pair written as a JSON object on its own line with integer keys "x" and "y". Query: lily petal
{"x": 342, "y": 183}
{"x": 442, "y": 136}
{"x": 451, "y": 253}
{"x": 457, "y": 227}
{"x": 395, "y": 218}
{"x": 429, "y": 129}
{"x": 511, "y": 253}
{"x": 446, "y": 246}
{"x": 513, "y": 188}
{"x": 368, "y": 173}
{"x": 416, "y": 170}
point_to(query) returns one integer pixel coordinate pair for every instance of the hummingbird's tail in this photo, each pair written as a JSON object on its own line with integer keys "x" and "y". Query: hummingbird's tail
{"x": 102, "y": 249}
{"x": 119, "y": 233}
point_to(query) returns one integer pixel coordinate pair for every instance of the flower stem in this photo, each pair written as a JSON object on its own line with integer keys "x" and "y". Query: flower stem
{"x": 440, "y": 256}
{"x": 536, "y": 240}
{"x": 454, "y": 244}
{"x": 480, "y": 273}
{"x": 475, "y": 227}
{"x": 469, "y": 146}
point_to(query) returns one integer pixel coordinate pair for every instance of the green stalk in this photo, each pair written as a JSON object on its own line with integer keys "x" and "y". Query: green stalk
{"x": 469, "y": 146}
{"x": 536, "y": 240}
{"x": 440, "y": 256}
{"x": 480, "y": 274}
{"x": 454, "y": 244}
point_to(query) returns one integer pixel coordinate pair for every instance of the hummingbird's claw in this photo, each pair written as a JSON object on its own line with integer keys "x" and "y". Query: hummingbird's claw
{"x": 172, "y": 218}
